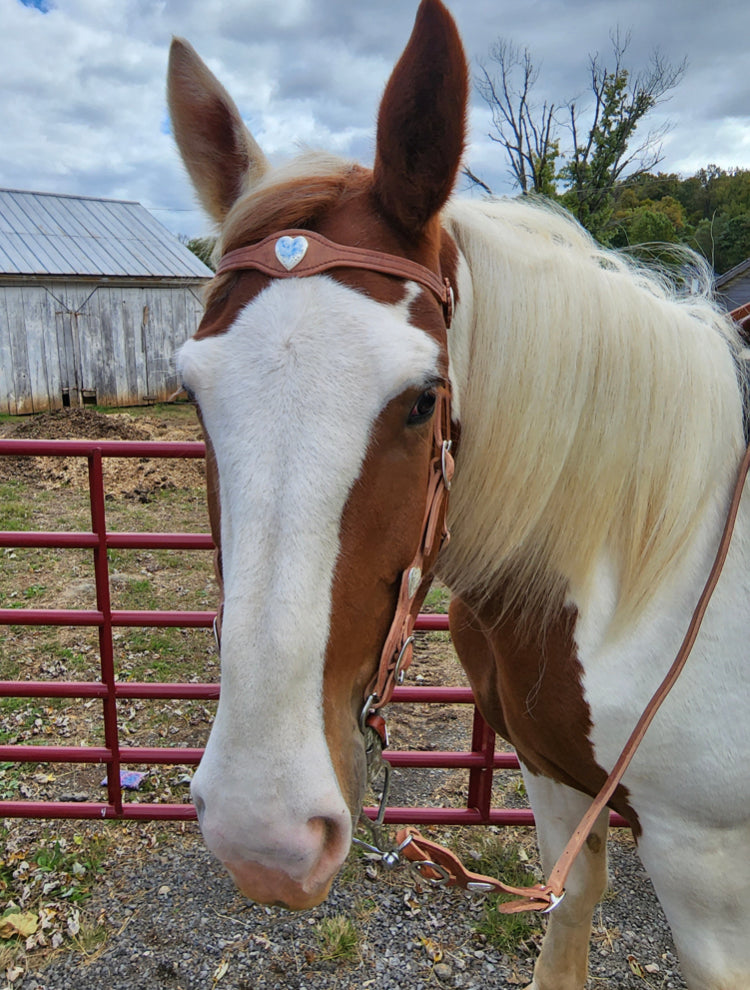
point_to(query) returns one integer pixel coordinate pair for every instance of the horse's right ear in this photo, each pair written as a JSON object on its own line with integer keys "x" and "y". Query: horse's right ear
{"x": 220, "y": 154}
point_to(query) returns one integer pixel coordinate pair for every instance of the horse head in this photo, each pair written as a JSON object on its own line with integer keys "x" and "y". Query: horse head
{"x": 318, "y": 371}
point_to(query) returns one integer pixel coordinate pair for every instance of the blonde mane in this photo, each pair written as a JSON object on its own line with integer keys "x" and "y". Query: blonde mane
{"x": 599, "y": 411}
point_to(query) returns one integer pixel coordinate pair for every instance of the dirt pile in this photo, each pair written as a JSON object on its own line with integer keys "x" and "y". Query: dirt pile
{"x": 138, "y": 478}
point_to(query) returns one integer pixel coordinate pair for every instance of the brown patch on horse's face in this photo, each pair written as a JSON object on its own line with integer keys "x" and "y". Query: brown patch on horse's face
{"x": 379, "y": 536}
{"x": 382, "y": 520}
{"x": 528, "y": 687}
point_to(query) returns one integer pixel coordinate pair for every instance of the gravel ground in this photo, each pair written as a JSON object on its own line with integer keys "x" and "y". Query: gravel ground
{"x": 174, "y": 921}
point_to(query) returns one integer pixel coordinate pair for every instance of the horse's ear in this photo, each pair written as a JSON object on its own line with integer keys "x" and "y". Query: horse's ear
{"x": 219, "y": 152}
{"x": 422, "y": 122}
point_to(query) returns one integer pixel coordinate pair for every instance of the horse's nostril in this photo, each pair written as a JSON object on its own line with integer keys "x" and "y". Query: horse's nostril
{"x": 200, "y": 807}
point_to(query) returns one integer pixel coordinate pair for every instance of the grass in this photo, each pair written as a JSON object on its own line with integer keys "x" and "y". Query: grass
{"x": 42, "y": 889}
{"x": 15, "y": 512}
{"x": 500, "y": 856}
{"x": 338, "y": 939}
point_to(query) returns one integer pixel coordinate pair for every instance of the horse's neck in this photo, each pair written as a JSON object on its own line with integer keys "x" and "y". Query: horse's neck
{"x": 599, "y": 420}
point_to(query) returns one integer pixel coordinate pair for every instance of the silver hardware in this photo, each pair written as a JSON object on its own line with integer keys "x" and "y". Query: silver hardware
{"x": 390, "y": 856}
{"x": 370, "y": 703}
{"x": 439, "y": 881}
{"x": 447, "y": 444}
{"x": 555, "y": 901}
{"x": 291, "y": 250}
{"x": 398, "y": 673}
{"x": 414, "y": 581}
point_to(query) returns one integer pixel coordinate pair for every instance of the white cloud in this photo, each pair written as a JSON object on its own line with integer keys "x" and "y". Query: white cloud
{"x": 82, "y": 105}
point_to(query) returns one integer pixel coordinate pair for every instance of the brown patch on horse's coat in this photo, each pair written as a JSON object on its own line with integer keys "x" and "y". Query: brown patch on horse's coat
{"x": 594, "y": 842}
{"x": 528, "y": 687}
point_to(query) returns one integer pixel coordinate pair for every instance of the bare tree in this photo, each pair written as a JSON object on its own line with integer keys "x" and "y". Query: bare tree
{"x": 524, "y": 130}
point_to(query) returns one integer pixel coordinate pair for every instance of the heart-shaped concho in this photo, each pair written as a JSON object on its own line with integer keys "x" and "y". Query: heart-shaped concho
{"x": 291, "y": 250}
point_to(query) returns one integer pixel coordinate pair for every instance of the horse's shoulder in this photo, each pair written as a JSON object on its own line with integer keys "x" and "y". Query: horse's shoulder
{"x": 527, "y": 679}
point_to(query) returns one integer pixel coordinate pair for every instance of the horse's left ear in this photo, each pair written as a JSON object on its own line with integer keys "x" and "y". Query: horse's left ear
{"x": 422, "y": 122}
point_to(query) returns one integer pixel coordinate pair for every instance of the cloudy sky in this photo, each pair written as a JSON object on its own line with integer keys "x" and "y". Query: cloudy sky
{"x": 82, "y": 106}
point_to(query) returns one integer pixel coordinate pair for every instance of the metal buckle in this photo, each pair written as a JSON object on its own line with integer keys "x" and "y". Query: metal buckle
{"x": 429, "y": 864}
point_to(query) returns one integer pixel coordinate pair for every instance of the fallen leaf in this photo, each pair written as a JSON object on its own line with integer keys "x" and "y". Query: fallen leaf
{"x": 22, "y": 923}
{"x": 74, "y": 923}
{"x": 432, "y": 949}
{"x": 220, "y": 971}
{"x": 635, "y": 967}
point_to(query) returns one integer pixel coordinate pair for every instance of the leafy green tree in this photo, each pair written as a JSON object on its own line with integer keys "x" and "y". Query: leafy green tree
{"x": 724, "y": 241}
{"x": 652, "y": 227}
{"x": 603, "y": 146}
{"x": 202, "y": 247}
{"x": 600, "y": 157}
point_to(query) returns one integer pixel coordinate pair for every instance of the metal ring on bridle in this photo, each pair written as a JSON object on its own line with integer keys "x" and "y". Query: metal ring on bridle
{"x": 398, "y": 674}
{"x": 428, "y": 864}
{"x": 370, "y": 703}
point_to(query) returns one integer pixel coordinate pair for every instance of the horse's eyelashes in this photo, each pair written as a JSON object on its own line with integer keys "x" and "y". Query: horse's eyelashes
{"x": 423, "y": 408}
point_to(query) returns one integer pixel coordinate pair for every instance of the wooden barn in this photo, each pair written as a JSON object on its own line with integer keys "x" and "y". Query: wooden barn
{"x": 733, "y": 287}
{"x": 95, "y": 297}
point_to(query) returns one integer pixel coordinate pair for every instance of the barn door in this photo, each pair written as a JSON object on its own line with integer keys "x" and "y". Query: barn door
{"x": 69, "y": 350}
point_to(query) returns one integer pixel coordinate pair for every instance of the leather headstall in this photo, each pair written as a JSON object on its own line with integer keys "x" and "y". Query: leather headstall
{"x": 299, "y": 253}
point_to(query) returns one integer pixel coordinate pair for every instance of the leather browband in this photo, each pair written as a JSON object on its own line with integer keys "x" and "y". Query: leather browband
{"x": 298, "y": 253}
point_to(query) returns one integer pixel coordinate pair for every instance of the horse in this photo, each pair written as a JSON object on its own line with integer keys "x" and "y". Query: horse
{"x": 596, "y": 419}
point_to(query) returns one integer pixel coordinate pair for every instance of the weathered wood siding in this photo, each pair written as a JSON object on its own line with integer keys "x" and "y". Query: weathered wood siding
{"x": 735, "y": 292}
{"x": 114, "y": 340}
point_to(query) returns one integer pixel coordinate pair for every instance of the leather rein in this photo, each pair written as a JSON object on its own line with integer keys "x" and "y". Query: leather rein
{"x": 300, "y": 253}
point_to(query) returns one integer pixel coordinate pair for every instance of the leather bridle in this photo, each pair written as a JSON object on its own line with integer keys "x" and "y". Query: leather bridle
{"x": 299, "y": 253}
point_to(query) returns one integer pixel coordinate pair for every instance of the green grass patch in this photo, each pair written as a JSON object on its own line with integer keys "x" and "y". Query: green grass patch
{"x": 497, "y": 856}
{"x": 15, "y": 512}
{"x": 437, "y": 599}
{"x": 338, "y": 939}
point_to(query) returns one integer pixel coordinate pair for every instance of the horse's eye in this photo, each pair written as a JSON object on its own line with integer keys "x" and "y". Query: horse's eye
{"x": 423, "y": 408}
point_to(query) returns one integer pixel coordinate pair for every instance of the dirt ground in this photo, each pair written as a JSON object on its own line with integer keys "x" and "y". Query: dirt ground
{"x": 123, "y": 477}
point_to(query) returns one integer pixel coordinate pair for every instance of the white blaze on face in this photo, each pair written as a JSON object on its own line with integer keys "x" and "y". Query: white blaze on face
{"x": 288, "y": 396}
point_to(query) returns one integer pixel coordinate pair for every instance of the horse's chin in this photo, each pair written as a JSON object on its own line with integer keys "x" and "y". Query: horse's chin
{"x": 274, "y": 887}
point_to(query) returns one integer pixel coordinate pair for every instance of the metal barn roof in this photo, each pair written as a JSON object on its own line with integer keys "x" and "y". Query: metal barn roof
{"x": 50, "y": 234}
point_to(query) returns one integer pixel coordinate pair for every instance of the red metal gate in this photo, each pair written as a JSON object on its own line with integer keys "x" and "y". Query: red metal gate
{"x": 480, "y": 759}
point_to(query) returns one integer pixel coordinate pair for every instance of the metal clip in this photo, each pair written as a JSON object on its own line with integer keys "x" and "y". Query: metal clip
{"x": 390, "y": 856}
